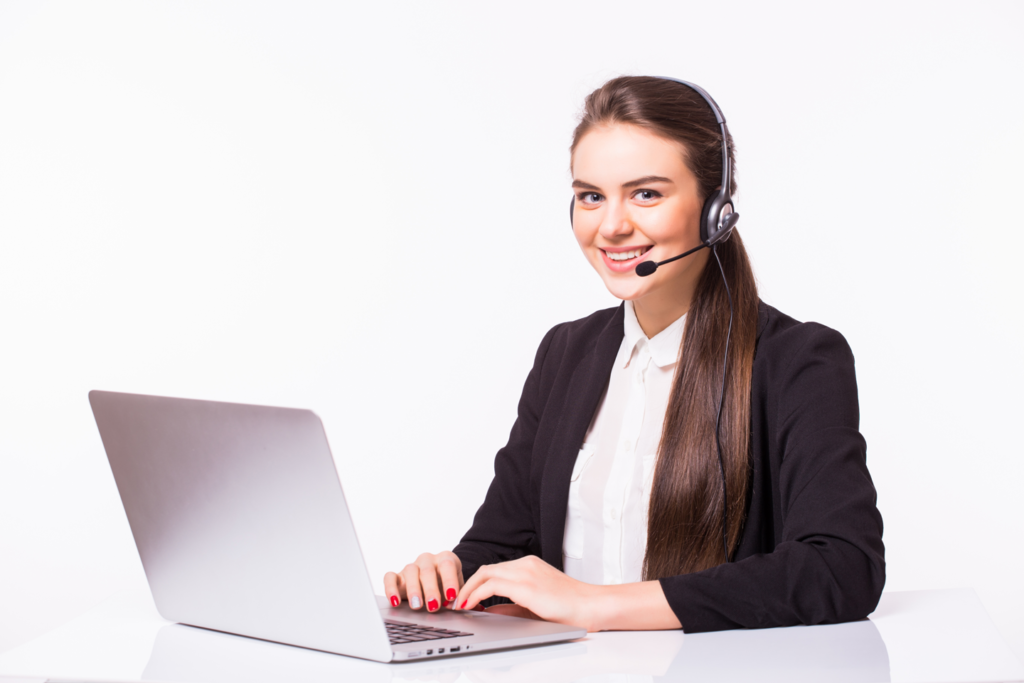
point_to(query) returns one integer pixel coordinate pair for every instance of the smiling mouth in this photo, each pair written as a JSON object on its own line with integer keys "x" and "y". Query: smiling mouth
{"x": 627, "y": 255}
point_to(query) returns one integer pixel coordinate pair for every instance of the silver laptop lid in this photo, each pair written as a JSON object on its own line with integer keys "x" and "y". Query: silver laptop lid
{"x": 240, "y": 520}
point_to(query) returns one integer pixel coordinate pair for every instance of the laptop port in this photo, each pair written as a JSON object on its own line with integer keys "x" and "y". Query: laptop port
{"x": 440, "y": 650}
{"x": 454, "y": 649}
{"x": 430, "y": 652}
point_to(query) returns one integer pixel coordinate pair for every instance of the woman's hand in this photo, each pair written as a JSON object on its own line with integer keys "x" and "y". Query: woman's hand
{"x": 431, "y": 581}
{"x": 536, "y": 588}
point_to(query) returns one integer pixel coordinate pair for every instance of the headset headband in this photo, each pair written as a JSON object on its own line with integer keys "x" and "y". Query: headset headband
{"x": 720, "y": 118}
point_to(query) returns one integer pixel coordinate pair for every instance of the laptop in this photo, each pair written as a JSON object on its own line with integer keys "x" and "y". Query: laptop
{"x": 242, "y": 526}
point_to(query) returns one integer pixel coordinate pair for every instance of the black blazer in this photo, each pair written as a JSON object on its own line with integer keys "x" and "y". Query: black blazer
{"x": 811, "y": 549}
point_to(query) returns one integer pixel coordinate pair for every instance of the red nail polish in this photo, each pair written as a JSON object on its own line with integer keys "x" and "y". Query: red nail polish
{"x": 394, "y": 601}
{"x": 464, "y": 604}
{"x": 444, "y": 603}
{"x": 432, "y": 606}
{"x": 450, "y": 594}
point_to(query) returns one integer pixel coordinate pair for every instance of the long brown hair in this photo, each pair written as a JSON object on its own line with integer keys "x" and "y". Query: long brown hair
{"x": 684, "y": 531}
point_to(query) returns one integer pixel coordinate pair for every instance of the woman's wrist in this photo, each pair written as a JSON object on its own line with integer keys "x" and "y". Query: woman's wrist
{"x": 629, "y": 607}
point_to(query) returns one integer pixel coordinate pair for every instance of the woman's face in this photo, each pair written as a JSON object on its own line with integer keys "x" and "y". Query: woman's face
{"x": 637, "y": 201}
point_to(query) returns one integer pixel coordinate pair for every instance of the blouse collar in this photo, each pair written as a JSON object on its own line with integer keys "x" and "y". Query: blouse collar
{"x": 664, "y": 347}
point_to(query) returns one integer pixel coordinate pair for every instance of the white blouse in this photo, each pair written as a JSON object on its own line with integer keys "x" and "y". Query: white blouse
{"x": 606, "y": 520}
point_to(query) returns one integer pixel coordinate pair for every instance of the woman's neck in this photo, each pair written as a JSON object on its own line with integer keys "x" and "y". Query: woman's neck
{"x": 654, "y": 319}
{"x": 660, "y": 308}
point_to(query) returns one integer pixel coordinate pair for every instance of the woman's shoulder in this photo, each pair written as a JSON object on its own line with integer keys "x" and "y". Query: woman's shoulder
{"x": 804, "y": 368}
{"x": 573, "y": 340}
{"x": 589, "y": 327}
{"x": 782, "y": 339}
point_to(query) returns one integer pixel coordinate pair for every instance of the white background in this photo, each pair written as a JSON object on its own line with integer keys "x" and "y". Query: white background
{"x": 362, "y": 210}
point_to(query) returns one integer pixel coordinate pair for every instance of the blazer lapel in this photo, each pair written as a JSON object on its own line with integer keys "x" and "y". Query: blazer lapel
{"x": 581, "y": 401}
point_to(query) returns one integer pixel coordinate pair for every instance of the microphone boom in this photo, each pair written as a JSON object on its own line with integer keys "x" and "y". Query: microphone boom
{"x": 645, "y": 268}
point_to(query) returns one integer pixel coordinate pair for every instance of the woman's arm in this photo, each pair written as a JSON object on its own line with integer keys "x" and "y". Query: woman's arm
{"x": 632, "y": 607}
{"x": 825, "y": 561}
{"x": 549, "y": 594}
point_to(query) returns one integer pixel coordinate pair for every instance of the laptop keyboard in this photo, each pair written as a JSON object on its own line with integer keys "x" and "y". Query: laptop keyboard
{"x": 405, "y": 632}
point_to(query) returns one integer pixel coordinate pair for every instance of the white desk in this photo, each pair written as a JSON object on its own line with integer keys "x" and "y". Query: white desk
{"x": 920, "y": 636}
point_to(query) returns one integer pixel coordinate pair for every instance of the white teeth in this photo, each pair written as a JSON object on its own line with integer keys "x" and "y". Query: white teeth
{"x": 624, "y": 255}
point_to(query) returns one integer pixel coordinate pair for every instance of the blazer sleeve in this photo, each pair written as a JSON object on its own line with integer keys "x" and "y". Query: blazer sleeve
{"x": 829, "y": 564}
{"x": 503, "y": 528}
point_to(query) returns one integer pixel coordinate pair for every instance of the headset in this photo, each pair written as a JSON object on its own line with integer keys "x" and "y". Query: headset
{"x": 717, "y": 219}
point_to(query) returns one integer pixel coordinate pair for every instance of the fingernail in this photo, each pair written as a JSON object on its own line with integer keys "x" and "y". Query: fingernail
{"x": 464, "y": 603}
{"x": 432, "y": 606}
{"x": 414, "y": 602}
{"x": 394, "y": 601}
{"x": 450, "y": 594}
{"x": 444, "y": 603}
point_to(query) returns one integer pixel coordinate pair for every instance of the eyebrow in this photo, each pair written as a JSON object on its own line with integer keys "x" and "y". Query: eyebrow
{"x": 647, "y": 179}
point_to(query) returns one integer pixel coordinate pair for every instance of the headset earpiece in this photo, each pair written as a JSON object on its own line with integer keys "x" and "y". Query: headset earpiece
{"x": 706, "y": 222}
{"x": 717, "y": 219}
{"x": 572, "y": 205}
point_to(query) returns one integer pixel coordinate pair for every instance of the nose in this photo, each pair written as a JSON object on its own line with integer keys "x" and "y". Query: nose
{"x": 616, "y": 221}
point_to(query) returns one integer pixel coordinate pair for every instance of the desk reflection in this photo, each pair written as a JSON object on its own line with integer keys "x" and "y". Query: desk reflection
{"x": 843, "y": 653}
{"x": 837, "y": 653}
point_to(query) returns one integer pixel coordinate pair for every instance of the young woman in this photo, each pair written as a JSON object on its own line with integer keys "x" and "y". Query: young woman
{"x": 631, "y": 493}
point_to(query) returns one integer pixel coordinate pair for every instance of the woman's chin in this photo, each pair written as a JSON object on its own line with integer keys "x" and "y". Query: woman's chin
{"x": 626, "y": 288}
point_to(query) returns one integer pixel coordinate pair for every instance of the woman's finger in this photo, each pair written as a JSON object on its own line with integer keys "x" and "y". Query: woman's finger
{"x": 449, "y": 569}
{"x": 413, "y": 591}
{"x": 482, "y": 584}
{"x": 391, "y": 589}
{"x": 479, "y": 577}
{"x": 429, "y": 582}
{"x": 488, "y": 589}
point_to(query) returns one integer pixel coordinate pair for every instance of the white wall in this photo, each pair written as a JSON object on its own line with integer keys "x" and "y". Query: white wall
{"x": 362, "y": 211}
